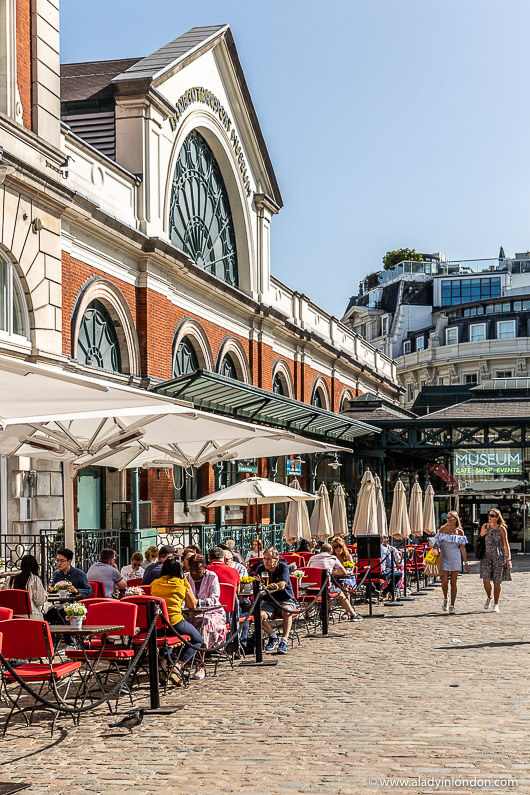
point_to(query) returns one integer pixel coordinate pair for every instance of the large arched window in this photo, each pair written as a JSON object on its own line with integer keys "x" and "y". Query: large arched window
{"x": 316, "y": 400}
{"x": 13, "y": 312}
{"x": 185, "y": 360}
{"x": 200, "y": 219}
{"x": 97, "y": 341}
{"x": 277, "y": 385}
{"x": 228, "y": 367}
{"x": 320, "y": 394}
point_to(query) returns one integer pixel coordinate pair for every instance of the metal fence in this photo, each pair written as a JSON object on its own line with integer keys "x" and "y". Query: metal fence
{"x": 89, "y": 543}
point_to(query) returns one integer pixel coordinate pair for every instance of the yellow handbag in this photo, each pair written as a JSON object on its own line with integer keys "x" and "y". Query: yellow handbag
{"x": 434, "y": 561}
{"x": 432, "y": 555}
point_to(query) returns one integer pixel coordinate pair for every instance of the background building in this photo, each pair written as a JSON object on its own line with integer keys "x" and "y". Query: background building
{"x": 135, "y": 216}
{"x": 448, "y": 323}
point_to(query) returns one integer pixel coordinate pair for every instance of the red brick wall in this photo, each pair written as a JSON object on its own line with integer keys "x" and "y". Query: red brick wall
{"x": 156, "y": 319}
{"x": 23, "y": 37}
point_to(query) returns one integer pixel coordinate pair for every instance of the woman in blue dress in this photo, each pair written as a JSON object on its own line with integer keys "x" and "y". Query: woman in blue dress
{"x": 451, "y": 541}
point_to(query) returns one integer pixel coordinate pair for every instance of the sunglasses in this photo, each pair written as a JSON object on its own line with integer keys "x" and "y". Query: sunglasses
{"x": 493, "y": 514}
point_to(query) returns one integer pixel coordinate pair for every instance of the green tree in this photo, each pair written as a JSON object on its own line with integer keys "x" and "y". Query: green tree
{"x": 392, "y": 258}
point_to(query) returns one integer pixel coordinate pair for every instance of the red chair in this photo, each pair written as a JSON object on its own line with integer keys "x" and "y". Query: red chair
{"x": 93, "y": 600}
{"x": 98, "y": 588}
{"x": 137, "y": 582}
{"x": 295, "y": 583}
{"x": 5, "y": 613}
{"x": 292, "y": 557}
{"x": 253, "y": 564}
{"x": 119, "y": 613}
{"x": 306, "y": 557}
{"x": 147, "y": 590}
{"x": 228, "y": 596}
{"x": 31, "y": 639}
{"x": 18, "y": 601}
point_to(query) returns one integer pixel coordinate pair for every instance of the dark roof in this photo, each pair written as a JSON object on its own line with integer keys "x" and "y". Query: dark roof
{"x": 91, "y": 80}
{"x": 214, "y": 392}
{"x": 498, "y": 409}
{"x": 151, "y": 65}
{"x": 369, "y": 407}
{"x": 439, "y": 397}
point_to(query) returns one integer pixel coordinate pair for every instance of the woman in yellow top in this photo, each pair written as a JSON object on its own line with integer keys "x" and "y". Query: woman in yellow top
{"x": 175, "y": 589}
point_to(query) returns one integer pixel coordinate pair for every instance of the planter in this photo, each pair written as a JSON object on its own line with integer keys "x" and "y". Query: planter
{"x": 63, "y": 596}
{"x": 246, "y": 588}
{"x": 76, "y": 622}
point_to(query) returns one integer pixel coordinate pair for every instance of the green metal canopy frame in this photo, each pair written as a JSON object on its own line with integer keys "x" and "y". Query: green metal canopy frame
{"x": 214, "y": 392}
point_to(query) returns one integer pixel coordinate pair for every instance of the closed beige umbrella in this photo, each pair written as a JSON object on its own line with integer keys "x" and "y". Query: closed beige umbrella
{"x": 320, "y": 524}
{"x": 365, "y": 519}
{"x": 339, "y": 519}
{"x": 399, "y": 526}
{"x": 380, "y": 511}
{"x": 416, "y": 510}
{"x": 297, "y": 522}
{"x": 429, "y": 522}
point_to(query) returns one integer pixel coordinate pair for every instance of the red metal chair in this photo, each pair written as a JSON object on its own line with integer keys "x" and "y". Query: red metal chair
{"x": 94, "y": 600}
{"x": 119, "y": 613}
{"x": 98, "y": 588}
{"x": 18, "y": 601}
{"x": 147, "y": 590}
{"x": 295, "y": 585}
{"x": 292, "y": 557}
{"x": 306, "y": 557}
{"x": 135, "y": 583}
{"x": 5, "y": 613}
{"x": 31, "y": 639}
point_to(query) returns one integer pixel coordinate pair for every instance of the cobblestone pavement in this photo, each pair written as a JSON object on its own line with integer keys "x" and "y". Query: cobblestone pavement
{"x": 417, "y": 693}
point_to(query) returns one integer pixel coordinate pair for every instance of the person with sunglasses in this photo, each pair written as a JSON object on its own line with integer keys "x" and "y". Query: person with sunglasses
{"x": 451, "y": 541}
{"x": 497, "y": 561}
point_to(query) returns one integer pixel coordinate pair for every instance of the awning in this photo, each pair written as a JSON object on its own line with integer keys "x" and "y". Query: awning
{"x": 214, "y": 392}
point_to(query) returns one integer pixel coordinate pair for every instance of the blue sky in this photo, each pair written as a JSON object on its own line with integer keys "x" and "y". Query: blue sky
{"x": 390, "y": 123}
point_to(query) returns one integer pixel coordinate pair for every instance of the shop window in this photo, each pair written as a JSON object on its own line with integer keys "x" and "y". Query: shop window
{"x": 97, "y": 341}
{"x": 200, "y": 217}
{"x": 13, "y": 312}
{"x": 451, "y": 336}
{"x": 505, "y": 329}
{"x": 477, "y": 332}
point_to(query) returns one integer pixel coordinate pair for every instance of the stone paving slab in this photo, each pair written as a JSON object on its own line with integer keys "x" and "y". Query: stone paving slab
{"x": 417, "y": 694}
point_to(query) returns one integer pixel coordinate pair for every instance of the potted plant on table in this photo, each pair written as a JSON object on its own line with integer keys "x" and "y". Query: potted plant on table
{"x": 62, "y": 588}
{"x": 298, "y": 573}
{"x": 348, "y": 565}
{"x": 246, "y": 584}
{"x": 134, "y": 590}
{"x": 75, "y": 613}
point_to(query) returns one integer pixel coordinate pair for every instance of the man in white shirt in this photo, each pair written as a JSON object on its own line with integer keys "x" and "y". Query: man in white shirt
{"x": 325, "y": 560}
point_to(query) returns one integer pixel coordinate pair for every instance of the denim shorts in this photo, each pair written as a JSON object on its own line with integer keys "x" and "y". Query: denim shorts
{"x": 271, "y": 609}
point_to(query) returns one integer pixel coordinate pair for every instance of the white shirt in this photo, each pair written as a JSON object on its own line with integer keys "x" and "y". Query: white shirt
{"x": 128, "y": 573}
{"x": 326, "y": 561}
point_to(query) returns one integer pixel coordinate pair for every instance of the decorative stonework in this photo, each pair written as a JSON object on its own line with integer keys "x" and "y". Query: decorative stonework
{"x": 194, "y": 331}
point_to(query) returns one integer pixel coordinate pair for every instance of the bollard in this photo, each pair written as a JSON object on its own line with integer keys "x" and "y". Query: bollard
{"x": 154, "y": 685}
{"x": 324, "y": 605}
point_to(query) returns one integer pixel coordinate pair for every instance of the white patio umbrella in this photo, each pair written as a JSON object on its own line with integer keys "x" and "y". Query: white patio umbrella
{"x": 416, "y": 510}
{"x": 254, "y": 491}
{"x": 365, "y": 519}
{"x": 297, "y": 521}
{"x": 320, "y": 523}
{"x": 339, "y": 519}
{"x": 399, "y": 526}
{"x": 429, "y": 522}
{"x": 380, "y": 511}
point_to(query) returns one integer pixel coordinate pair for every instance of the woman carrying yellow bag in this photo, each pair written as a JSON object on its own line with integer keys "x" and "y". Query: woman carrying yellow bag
{"x": 451, "y": 541}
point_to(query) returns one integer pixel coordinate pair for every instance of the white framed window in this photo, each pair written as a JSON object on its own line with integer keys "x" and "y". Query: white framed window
{"x": 14, "y": 319}
{"x": 477, "y": 332}
{"x": 503, "y": 373}
{"x": 406, "y": 347}
{"x": 505, "y": 329}
{"x": 420, "y": 343}
{"x": 470, "y": 378}
{"x": 410, "y": 392}
{"x": 451, "y": 335}
{"x": 384, "y": 325}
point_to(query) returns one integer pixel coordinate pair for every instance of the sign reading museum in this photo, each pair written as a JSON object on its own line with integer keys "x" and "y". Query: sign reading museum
{"x": 488, "y": 462}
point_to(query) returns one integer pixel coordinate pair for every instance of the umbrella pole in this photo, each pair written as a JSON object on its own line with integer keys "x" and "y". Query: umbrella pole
{"x": 394, "y": 602}
{"x": 258, "y": 642}
{"x": 405, "y": 598}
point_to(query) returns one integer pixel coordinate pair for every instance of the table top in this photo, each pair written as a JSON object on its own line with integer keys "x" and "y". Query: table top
{"x": 72, "y": 597}
{"x": 10, "y": 573}
{"x": 91, "y": 629}
{"x": 198, "y": 609}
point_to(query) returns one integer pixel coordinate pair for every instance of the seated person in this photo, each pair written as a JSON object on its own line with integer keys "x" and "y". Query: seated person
{"x": 386, "y": 564}
{"x": 80, "y": 586}
{"x": 218, "y": 566}
{"x": 106, "y": 571}
{"x": 276, "y": 571}
{"x": 343, "y": 554}
{"x": 154, "y": 569}
{"x": 231, "y": 545}
{"x": 205, "y": 587}
{"x": 28, "y": 580}
{"x": 135, "y": 569}
{"x": 175, "y": 589}
{"x": 305, "y": 546}
{"x": 151, "y": 556}
{"x": 231, "y": 561}
{"x": 325, "y": 560}
{"x": 255, "y": 552}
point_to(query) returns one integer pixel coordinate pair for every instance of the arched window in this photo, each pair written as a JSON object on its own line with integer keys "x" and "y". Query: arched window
{"x": 200, "y": 219}
{"x": 97, "y": 342}
{"x": 185, "y": 360}
{"x": 13, "y": 312}
{"x": 228, "y": 367}
{"x": 316, "y": 400}
{"x": 277, "y": 385}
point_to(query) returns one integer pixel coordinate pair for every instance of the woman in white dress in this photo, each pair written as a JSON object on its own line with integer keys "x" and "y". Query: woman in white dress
{"x": 29, "y": 580}
{"x": 451, "y": 541}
